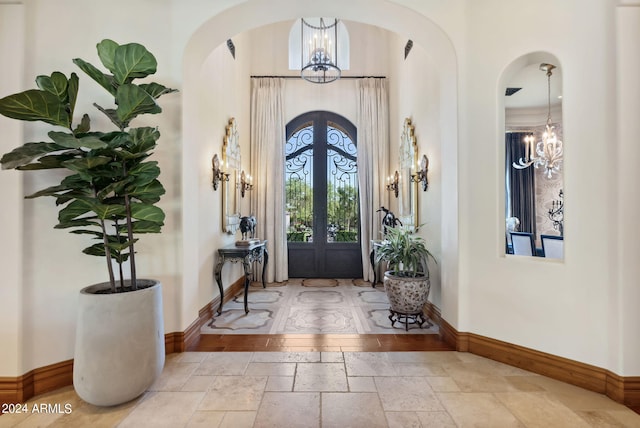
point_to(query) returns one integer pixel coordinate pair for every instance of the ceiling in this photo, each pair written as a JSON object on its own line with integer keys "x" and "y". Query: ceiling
{"x": 533, "y": 82}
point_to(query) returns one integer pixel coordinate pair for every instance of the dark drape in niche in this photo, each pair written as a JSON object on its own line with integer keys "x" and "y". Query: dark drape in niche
{"x": 521, "y": 198}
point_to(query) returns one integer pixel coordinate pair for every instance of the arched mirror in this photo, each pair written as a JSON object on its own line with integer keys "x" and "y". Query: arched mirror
{"x": 231, "y": 188}
{"x": 534, "y": 153}
{"x": 408, "y": 189}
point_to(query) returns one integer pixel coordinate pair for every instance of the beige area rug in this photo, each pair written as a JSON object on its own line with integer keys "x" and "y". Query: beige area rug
{"x": 319, "y": 282}
{"x": 297, "y": 309}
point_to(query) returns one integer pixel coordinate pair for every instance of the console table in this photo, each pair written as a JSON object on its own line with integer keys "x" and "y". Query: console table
{"x": 247, "y": 255}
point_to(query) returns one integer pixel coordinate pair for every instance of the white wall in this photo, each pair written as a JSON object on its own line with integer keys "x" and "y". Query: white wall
{"x": 521, "y": 300}
{"x": 11, "y": 252}
{"x": 416, "y": 95}
{"x": 586, "y": 313}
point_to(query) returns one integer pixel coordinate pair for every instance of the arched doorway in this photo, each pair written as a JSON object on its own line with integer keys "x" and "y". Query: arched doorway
{"x": 197, "y": 260}
{"x": 323, "y": 219}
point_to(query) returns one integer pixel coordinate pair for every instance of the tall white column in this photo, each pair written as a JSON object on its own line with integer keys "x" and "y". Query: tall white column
{"x": 11, "y": 250}
{"x": 628, "y": 209}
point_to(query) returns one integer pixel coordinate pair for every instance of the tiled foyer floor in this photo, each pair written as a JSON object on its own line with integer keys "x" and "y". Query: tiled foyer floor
{"x": 340, "y": 389}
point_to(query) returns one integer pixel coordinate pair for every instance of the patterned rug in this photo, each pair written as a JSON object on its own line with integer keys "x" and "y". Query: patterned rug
{"x": 345, "y": 308}
{"x": 319, "y": 282}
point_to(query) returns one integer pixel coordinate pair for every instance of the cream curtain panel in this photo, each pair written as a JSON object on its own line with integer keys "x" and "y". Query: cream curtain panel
{"x": 373, "y": 160}
{"x": 268, "y": 137}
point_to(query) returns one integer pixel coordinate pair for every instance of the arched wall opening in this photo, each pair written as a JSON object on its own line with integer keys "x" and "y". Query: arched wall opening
{"x": 199, "y": 145}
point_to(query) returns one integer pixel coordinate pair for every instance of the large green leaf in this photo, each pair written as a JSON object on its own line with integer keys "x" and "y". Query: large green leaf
{"x": 76, "y": 223}
{"x": 49, "y": 161}
{"x": 147, "y": 212}
{"x": 55, "y": 84}
{"x": 72, "y": 95}
{"x": 142, "y": 227}
{"x": 84, "y": 126}
{"x": 149, "y": 193}
{"x": 49, "y": 191}
{"x": 81, "y": 165}
{"x": 144, "y": 138}
{"x": 103, "y": 80}
{"x": 145, "y": 172}
{"x": 132, "y": 101}
{"x": 70, "y": 141}
{"x": 156, "y": 90}
{"x": 27, "y": 153}
{"x": 74, "y": 210}
{"x": 133, "y": 61}
{"x": 33, "y": 105}
{"x": 106, "y": 52}
{"x": 105, "y": 211}
{"x": 112, "y": 115}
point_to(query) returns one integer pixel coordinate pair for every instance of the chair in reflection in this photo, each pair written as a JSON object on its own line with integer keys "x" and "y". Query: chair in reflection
{"x": 523, "y": 243}
{"x": 552, "y": 246}
{"x": 512, "y": 225}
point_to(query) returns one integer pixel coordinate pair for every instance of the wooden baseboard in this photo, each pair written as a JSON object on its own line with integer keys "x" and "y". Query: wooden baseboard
{"x": 625, "y": 390}
{"x": 36, "y": 382}
{"x": 49, "y": 378}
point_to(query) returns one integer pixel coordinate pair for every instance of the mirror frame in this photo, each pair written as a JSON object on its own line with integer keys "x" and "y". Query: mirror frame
{"x": 230, "y": 189}
{"x": 408, "y": 188}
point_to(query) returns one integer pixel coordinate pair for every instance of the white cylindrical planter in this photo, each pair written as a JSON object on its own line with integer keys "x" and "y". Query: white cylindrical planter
{"x": 119, "y": 350}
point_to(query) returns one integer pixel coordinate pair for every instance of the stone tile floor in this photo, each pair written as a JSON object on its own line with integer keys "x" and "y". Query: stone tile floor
{"x": 339, "y": 389}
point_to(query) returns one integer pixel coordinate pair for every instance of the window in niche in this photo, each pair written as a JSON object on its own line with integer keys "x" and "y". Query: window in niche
{"x": 534, "y": 190}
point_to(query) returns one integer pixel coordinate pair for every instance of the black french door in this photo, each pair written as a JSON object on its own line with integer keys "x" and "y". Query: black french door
{"x": 323, "y": 223}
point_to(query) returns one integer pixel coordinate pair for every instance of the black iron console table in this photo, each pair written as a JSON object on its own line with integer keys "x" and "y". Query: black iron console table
{"x": 247, "y": 255}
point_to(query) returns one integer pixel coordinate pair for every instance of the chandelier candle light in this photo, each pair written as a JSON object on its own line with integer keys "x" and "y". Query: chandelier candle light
{"x": 547, "y": 152}
{"x": 320, "y": 51}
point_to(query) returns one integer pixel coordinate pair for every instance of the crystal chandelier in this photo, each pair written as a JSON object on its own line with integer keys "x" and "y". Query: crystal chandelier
{"x": 320, "y": 52}
{"x": 548, "y": 151}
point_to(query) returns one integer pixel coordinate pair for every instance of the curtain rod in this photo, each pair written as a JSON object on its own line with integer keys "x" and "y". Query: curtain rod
{"x": 342, "y": 77}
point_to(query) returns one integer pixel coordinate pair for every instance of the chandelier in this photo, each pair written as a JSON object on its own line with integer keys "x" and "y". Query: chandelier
{"x": 320, "y": 52}
{"x": 548, "y": 151}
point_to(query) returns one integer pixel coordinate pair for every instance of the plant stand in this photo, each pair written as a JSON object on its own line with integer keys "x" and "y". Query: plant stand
{"x": 406, "y": 319}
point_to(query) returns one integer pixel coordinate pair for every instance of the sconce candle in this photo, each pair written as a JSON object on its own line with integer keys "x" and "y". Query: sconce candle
{"x": 246, "y": 183}
{"x": 392, "y": 183}
{"x": 218, "y": 174}
{"x": 421, "y": 175}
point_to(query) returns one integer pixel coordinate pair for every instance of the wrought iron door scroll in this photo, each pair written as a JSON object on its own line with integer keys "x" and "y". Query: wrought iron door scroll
{"x": 247, "y": 255}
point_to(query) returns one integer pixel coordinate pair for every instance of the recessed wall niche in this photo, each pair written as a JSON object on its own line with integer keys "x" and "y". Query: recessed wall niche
{"x": 531, "y": 87}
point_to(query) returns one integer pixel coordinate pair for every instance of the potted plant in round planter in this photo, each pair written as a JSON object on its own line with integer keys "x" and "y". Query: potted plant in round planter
{"x": 109, "y": 194}
{"x": 407, "y": 281}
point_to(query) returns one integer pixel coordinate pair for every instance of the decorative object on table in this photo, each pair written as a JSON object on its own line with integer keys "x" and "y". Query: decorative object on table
{"x": 109, "y": 193}
{"x": 393, "y": 183}
{"x": 407, "y": 282}
{"x": 248, "y": 229}
{"x": 421, "y": 174}
{"x": 556, "y": 213}
{"x": 548, "y": 151}
{"x": 218, "y": 174}
{"x": 246, "y": 183}
{"x": 389, "y": 220}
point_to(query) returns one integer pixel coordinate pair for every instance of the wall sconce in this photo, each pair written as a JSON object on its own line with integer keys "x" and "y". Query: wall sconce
{"x": 218, "y": 175}
{"x": 392, "y": 183}
{"x": 421, "y": 175}
{"x": 246, "y": 183}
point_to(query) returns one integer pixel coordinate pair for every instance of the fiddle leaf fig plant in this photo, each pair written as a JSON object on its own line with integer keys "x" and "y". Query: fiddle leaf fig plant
{"x": 111, "y": 190}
